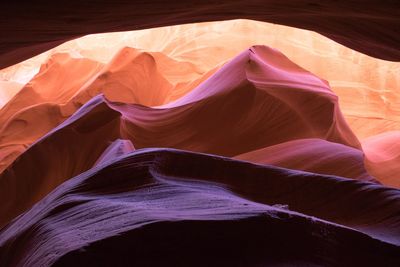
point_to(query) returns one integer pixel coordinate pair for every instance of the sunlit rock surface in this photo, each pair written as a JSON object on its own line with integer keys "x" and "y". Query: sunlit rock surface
{"x": 367, "y": 87}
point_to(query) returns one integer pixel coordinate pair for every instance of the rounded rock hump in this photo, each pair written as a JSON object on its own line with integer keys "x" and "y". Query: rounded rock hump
{"x": 263, "y": 92}
{"x": 313, "y": 155}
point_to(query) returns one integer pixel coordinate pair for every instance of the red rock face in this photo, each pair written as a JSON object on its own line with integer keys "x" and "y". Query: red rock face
{"x": 147, "y": 159}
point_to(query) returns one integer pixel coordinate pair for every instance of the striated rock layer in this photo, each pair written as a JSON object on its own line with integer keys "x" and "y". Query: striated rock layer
{"x": 194, "y": 209}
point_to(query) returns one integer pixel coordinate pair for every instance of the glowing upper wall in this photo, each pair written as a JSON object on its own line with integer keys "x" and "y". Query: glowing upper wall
{"x": 368, "y": 88}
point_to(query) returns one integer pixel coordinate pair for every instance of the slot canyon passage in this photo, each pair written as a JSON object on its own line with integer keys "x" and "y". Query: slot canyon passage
{"x": 200, "y": 135}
